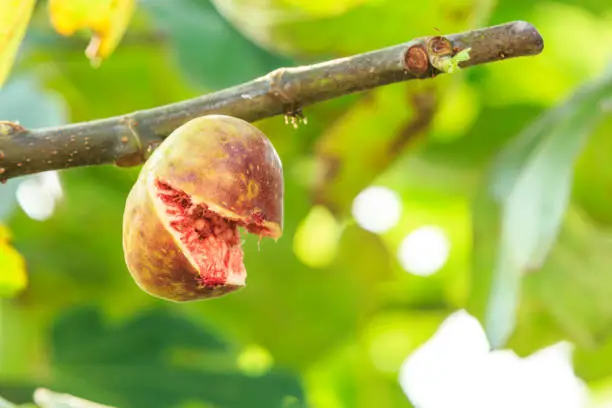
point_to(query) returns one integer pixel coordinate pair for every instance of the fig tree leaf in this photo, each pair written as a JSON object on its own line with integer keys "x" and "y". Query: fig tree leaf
{"x": 106, "y": 19}
{"x": 575, "y": 283}
{"x": 14, "y": 18}
{"x": 211, "y": 52}
{"x": 593, "y": 175}
{"x": 568, "y": 299}
{"x": 13, "y": 278}
{"x": 521, "y": 205}
{"x": 156, "y": 359}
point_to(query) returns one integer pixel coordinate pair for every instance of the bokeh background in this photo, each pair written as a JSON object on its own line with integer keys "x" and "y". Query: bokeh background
{"x": 375, "y": 256}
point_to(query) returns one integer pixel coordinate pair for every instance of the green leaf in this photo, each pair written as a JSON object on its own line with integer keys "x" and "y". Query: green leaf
{"x": 156, "y": 359}
{"x": 575, "y": 283}
{"x": 593, "y": 175}
{"x": 210, "y": 51}
{"x": 568, "y": 299}
{"x": 523, "y": 202}
{"x": 451, "y": 64}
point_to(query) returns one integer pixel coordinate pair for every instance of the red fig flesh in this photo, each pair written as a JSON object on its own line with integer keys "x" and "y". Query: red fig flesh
{"x": 210, "y": 177}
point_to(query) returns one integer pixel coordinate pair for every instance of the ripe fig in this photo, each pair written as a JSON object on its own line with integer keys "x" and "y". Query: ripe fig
{"x": 181, "y": 223}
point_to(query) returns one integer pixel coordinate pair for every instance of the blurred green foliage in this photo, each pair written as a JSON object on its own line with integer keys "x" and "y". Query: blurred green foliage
{"x": 329, "y": 313}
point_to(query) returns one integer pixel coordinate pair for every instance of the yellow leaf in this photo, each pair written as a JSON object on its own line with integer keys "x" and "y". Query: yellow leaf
{"x": 13, "y": 277}
{"x": 107, "y": 19}
{"x": 14, "y": 19}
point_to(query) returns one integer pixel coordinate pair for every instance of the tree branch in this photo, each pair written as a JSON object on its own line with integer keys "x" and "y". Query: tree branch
{"x": 129, "y": 139}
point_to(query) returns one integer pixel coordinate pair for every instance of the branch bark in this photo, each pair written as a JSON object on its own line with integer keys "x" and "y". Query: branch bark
{"x": 129, "y": 139}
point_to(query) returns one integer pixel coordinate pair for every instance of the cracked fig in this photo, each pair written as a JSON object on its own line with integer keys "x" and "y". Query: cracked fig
{"x": 210, "y": 178}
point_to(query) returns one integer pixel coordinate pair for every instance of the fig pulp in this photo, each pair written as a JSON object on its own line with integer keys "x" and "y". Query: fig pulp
{"x": 210, "y": 178}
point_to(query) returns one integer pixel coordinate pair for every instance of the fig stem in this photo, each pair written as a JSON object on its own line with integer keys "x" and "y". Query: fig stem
{"x": 129, "y": 139}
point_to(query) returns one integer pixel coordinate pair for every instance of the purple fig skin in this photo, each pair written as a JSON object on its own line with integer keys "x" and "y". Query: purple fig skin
{"x": 222, "y": 162}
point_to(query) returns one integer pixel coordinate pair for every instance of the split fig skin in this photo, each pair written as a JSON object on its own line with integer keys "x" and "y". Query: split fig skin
{"x": 211, "y": 177}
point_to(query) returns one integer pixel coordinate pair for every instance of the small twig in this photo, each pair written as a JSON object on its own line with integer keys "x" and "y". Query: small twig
{"x": 128, "y": 140}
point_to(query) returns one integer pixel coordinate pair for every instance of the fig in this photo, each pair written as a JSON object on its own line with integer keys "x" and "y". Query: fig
{"x": 210, "y": 178}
